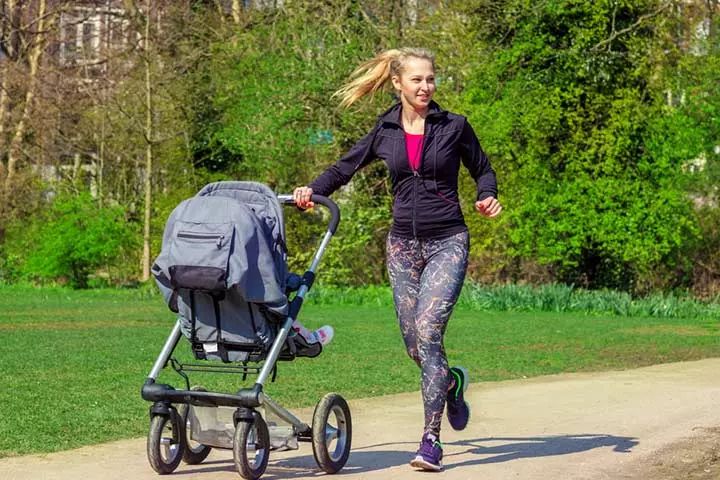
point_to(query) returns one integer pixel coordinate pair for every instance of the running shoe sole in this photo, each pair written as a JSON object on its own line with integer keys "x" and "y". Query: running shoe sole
{"x": 421, "y": 463}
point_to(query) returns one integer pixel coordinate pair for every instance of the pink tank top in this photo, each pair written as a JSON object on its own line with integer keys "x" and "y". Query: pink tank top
{"x": 414, "y": 145}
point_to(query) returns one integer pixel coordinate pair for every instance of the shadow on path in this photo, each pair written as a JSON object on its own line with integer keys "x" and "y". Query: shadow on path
{"x": 484, "y": 451}
{"x": 505, "y": 449}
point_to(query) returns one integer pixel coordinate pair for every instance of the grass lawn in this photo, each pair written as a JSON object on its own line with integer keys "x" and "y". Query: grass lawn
{"x": 72, "y": 363}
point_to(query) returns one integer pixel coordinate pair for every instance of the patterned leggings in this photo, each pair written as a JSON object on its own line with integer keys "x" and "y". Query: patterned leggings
{"x": 426, "y": 278}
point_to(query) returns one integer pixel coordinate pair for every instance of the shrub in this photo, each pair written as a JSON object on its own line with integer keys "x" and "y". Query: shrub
{"x": 68, "y": 243}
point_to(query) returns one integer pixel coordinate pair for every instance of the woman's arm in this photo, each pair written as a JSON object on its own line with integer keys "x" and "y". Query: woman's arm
{"x": 361, "y": 154}
{"x": 477, "y": 163}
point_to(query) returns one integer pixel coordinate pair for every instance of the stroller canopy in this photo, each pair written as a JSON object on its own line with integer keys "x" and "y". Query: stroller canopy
{"x": 247, "y": 251}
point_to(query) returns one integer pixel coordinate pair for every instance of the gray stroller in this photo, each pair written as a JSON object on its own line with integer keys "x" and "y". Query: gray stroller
{"x": 223, "y": 269}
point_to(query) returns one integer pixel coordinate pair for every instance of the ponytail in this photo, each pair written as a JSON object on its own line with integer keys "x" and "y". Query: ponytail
{"x": 375, "y": 74}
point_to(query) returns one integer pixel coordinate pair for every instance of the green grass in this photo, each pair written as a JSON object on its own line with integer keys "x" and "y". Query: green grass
{"x": 72, "y": 363}
{"x": 546, "y": 298}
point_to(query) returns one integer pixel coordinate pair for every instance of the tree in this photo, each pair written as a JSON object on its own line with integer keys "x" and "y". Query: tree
{"x": 568, "y": 98}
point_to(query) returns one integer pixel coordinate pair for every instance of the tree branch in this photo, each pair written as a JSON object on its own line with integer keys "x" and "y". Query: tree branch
{"x": 615, "y": 34}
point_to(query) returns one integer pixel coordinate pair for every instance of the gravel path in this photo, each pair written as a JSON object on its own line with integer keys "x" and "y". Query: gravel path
{"x": 655, "y": 423}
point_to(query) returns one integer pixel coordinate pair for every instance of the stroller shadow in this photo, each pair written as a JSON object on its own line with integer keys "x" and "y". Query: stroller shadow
{"x": 496, "y": 450}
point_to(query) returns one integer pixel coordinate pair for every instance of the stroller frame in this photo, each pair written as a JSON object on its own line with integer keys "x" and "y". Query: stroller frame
{"x": 251, "y": 429}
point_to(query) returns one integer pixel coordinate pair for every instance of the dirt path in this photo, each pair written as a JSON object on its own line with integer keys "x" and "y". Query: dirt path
{"x": 655, "y": 423}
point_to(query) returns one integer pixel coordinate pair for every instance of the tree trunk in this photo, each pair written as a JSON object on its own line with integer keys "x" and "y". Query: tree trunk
{"x": 15, "y": 149}
{"x": 148, "y": 149}
{"x": 77, "y": 163}
{"x": 4, "y": 107}
{"x": 99, "y": 172}
{"x": 236, "y": 11}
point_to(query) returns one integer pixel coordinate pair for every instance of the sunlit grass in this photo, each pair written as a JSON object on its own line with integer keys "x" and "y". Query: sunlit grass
{"x": 72, "y": 363}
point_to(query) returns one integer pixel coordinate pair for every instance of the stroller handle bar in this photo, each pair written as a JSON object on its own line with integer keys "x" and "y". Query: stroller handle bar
{"x": 288, "y": 199}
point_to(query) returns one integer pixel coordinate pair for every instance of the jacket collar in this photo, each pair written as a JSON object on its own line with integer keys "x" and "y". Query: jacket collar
{"x": 392, "y": 115}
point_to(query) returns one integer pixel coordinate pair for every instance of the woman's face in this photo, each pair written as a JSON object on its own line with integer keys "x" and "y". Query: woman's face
{"x": 416, "y": 83}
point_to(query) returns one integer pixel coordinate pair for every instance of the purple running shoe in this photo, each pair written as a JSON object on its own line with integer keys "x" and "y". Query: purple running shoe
{"x": 458, "y": 410}
{"x": 429, "y": 455}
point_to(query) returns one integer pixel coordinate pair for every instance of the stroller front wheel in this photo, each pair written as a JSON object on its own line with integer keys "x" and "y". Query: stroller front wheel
{"x": 251, "y": 447}
{"x": 195, "y": 452}
{"x": 166, "y": 442}
{"x": 331, "y": 433}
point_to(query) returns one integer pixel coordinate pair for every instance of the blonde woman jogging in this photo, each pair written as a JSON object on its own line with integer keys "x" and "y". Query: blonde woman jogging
{"x": 427, "y": 247}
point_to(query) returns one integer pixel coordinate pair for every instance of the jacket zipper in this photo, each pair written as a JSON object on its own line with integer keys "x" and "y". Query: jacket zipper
{"x": 416, "y": 175}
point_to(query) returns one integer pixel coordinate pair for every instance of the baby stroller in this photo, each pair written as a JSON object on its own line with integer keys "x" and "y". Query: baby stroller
{"x": 223, "y": 269}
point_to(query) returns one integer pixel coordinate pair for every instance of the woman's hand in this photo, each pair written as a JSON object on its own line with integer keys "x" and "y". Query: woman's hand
{"x": 302, "y": 196}
{"x": 488, "y": 207}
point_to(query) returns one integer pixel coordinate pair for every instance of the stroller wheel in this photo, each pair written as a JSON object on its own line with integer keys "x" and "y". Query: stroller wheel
{"x": 331, "y": 433}
{"x": 195, "y": 452}
{"x": 166, "y": 442}
{"x": 251, "y": 447}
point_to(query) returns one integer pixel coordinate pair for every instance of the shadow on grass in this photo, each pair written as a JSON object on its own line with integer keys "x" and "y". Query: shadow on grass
{"x": 483, "y": 450}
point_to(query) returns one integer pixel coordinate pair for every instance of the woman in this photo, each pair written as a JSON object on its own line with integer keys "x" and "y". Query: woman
{"x": 427, "y": 248}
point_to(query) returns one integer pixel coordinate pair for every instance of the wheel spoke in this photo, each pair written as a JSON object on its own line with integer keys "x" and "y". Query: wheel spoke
{"x": 331, "y": 433}
{"x": 169, "y": 447}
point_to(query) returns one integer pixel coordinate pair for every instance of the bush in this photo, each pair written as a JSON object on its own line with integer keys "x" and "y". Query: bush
{"x": 67, "y": 244}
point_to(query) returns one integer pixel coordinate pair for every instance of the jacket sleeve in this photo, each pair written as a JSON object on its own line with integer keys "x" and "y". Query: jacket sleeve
{"x": 477, "y": 163}
{"x": 361, "y": 154}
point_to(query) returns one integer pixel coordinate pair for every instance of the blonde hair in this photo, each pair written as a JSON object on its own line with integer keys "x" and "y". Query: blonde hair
{"x": 375, "y": 74}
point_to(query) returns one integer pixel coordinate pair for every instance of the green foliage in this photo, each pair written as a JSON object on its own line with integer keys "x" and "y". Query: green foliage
{"x": 355, "y": 255}
{"x": 566, "y": 298}
{"x": 270, "y": 89}
{"x": 590, "y": 157}
{"x": 600, "y": 119}
{"x": 72, "y": 241}
{"x": 551, "y": 297}
{"x": 272, "y": 113}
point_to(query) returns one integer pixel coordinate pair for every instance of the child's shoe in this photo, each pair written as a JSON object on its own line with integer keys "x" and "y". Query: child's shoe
{"x": 429, "y": 455}
{"x": 322, "y": 335}
{"x": 458, "y": 410}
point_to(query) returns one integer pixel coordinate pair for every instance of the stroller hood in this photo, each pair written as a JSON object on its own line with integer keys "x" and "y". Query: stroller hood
{"x": 230, "y": 236}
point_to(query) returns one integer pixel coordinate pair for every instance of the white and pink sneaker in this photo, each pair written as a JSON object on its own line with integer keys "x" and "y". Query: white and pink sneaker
{"x": 322, "y": 335}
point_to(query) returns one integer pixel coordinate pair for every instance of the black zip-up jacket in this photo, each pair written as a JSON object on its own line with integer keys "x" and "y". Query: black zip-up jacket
{"x": 425, "y": 201}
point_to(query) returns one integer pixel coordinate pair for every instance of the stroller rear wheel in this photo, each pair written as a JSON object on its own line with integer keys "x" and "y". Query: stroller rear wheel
{"x": 195, "y": 452}
{"x": 251, "y": 447}
{"x": 331, "y": 433}
{"x": 166, "y": 442}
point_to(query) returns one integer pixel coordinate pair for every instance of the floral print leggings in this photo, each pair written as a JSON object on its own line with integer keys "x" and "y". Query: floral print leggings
{"x": 426, "y": 277}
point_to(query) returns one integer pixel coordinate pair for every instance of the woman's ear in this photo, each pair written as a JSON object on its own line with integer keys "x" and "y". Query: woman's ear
{"x": 396, "y": 82}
